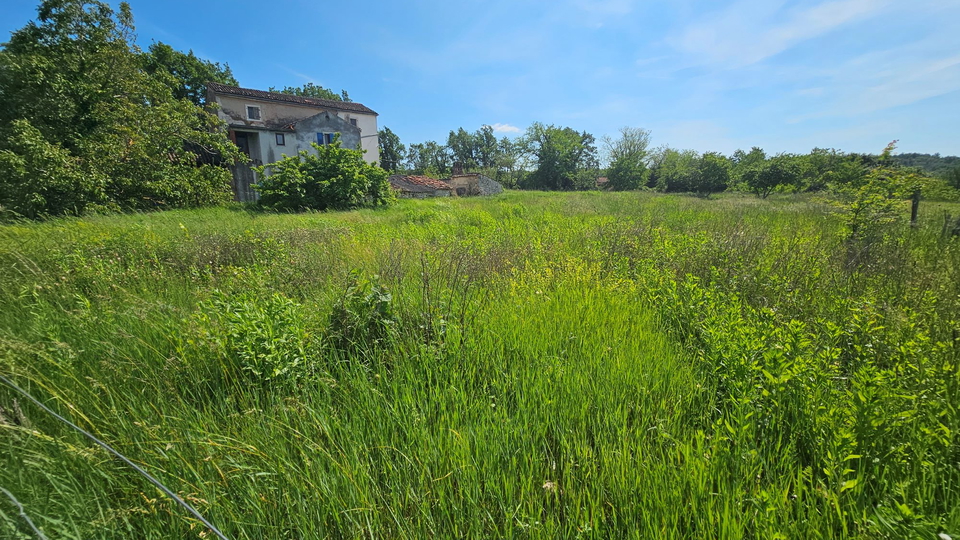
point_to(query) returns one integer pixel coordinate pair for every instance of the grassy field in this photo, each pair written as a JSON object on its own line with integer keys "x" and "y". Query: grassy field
{"x": 535, "y": 365}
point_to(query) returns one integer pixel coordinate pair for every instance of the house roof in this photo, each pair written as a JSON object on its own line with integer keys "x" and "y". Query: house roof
{"x": 288, "y": 98}
{"x": 417, "y": 184}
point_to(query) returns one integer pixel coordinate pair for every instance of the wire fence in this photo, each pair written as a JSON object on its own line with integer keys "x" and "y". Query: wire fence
{"x": 193, "y": 511}
{"x": 23, "y": 514}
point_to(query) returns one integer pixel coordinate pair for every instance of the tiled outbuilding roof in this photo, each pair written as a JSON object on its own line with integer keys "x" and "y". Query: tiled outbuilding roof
{"x": 289, "y": 98}
{"x": 417, "y": 184}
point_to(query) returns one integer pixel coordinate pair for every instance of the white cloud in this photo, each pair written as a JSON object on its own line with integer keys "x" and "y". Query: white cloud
{"x": 912, "y": 83}
{"x": 749, "y": 31}
{"x": 505, "y": 128}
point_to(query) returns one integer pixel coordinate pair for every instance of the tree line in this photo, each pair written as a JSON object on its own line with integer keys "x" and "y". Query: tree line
{"x": 550, "y": 157}
{"x": 91, "y": 122}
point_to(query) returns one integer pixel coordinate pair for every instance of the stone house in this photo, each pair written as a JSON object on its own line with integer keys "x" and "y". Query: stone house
{"x": 419, "y": 187}
{"x": 269, "y": 125}
{"x": 469, "y": 184}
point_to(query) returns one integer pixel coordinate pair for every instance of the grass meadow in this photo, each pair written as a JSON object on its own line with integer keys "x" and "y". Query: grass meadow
{"x": 535, "y": 365}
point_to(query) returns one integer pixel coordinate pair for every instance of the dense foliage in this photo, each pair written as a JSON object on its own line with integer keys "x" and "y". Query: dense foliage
{"x": 540, "y": 365}
{"x": 392, "y": 151}
{"x": 933, "y": 164}
{"x": 330, "y": 178}
{"x": 314, "y": 91}
{"x": 565, "y": 159}
{"x": 627, "y": 158}
{"x": 86, "y": 125}
{"x": 188, "y": 74}
{"x": 561, "y": 158}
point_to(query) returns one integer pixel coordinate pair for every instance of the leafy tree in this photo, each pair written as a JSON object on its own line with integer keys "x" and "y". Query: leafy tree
{"x": 463, "y": 147}
{"x": 713, "y": 174}
{"x": 627, "y": 158}
{"x": 872, "y": 202}
{"x": 332, "y": 178}
{"x": 486, "y": 147}
{"x": 80, "y": 109}
{"x": 676, "y": 170}
{"x": 509, "y": 164}
{"x": 40, "y": 177}
{"x": 392, "y": 151}
{"x": 314, "y": 91}
{"x": 763, "y": 178}
{"x": 952, "y": 177}
{"x": 477, "y": 150}
{"x": 741, "y": 162}
{"x": 185, "y": 73}
{"x": 429, "y": 158}
{"x": 565, "y": 158}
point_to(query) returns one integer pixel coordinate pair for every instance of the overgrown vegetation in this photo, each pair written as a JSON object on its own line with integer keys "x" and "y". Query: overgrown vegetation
{"x": 90, "y": 123}
{"x": 532, "y": 366}
{"x": 332, "y": 177}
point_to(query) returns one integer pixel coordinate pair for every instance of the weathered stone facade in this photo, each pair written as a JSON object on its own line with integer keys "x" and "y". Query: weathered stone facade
{"x": 472, "y": 184}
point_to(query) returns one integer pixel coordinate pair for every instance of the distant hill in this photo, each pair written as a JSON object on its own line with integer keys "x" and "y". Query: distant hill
{"x": 933, "y": 164}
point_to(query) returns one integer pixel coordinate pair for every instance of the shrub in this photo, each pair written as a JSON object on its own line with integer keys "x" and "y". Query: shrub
{"x": 874, "y": 201}
{"x": 332, "y": 178}
{"x": 363, "y": 318}
{"x": 265, "y": 341}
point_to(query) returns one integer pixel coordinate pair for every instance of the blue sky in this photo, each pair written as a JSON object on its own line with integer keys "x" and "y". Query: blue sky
{"x": 712, "y": 76}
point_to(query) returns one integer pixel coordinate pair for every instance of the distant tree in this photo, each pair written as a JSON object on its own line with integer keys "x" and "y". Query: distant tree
{"x": 509, "y": 164}
{"x": 741, "y": 162}
{"x": 676, "y": 170}
{"x": 565, "y": 159}
{"x": 763, "y": 178}
{"x": 392, "y": 151}
{"x": 952, "y": 177}
{"x": 429, "y": 158}
{"x": 487, "y": 147}
{"x": 185, "y": 73}
{"x": 463, "y": 147}
{"x": 712, "y": 176}
{"x": 331, "y": 178}
{"x": 931, "y": 164}
{"x": 825, "y": 167}
{"x": 314, "y": 91}
{"x": 627, "y": 158}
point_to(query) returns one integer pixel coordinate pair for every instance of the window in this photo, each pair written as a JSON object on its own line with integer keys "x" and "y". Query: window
{"x": 281, "y": 139}
{"x": 325, "y": 138}
{"x": 253, "y": 112}
{"x": 353, "y": 121}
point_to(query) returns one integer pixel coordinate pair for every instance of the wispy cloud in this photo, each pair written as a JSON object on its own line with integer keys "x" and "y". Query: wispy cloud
{"x": 295, "y": 73}
{"x": 911, "y": 83}
{"x": 749, "y": 31}
{"x": 504, "y": 128}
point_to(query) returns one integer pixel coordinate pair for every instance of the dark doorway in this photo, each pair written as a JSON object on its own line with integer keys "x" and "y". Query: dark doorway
{"x": 243, "y": 143}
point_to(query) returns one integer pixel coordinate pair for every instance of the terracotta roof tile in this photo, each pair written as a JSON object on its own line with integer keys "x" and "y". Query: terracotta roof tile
{"x": 417, "y": 183}
{"x": 289, "y": 98}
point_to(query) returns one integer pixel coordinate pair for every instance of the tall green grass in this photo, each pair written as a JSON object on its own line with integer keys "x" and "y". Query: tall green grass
{"x": 527, "y": 366}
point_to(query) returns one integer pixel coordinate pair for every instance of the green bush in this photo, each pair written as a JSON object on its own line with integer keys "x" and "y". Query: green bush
{"x": 363, "y": 318}
{"x": 256, "y": 339}
{"x": 40, "y": 177}
{"x": 332, "y": 178}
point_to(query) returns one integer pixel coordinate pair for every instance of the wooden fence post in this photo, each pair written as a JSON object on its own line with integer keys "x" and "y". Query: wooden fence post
{"x": 914, "y": 207}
